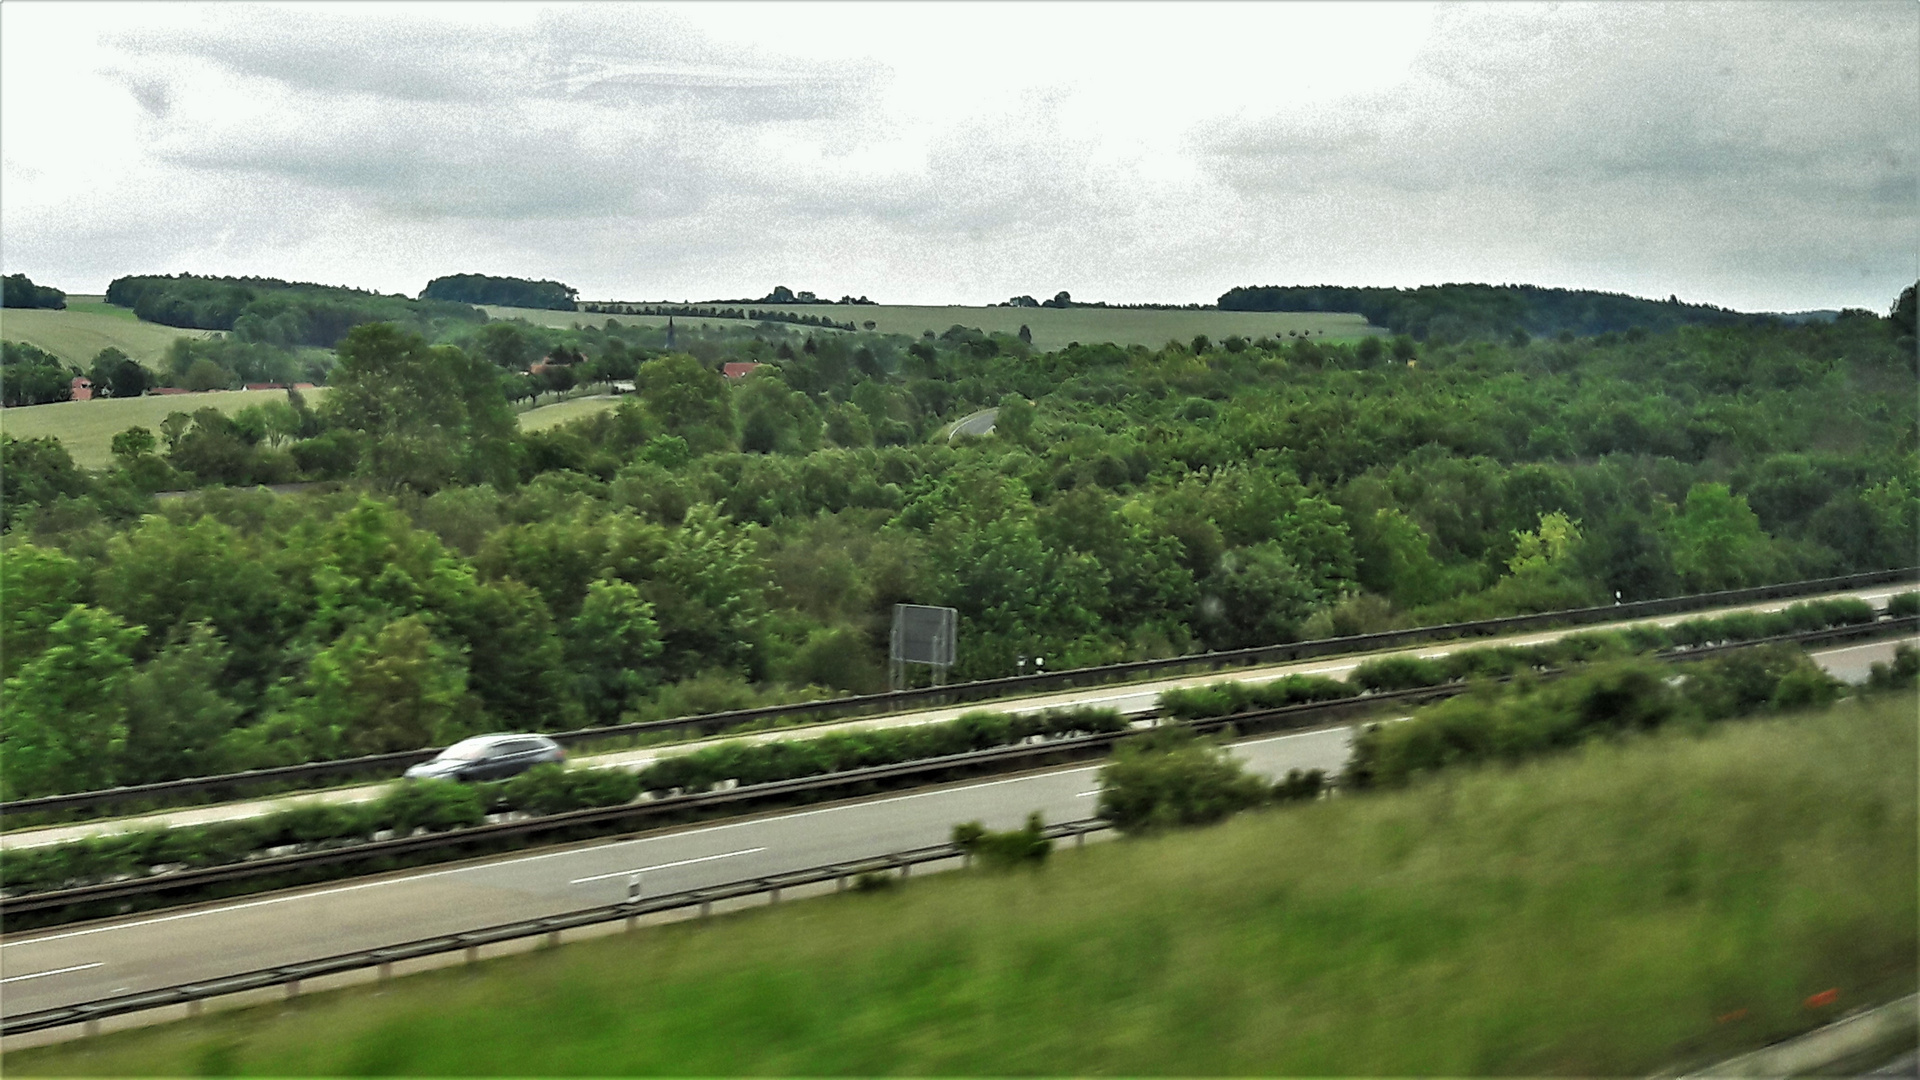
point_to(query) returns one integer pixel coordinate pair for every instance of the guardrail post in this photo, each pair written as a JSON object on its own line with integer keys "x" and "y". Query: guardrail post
{"x": 91, "y": 1028}
{"x": 193, "y": 1008}
{"x": 906, "y": 868}
{"x": 293, "y": 988}
{"x": 706, "y": 908}
{"x": 840, "y": 883}
{"x": 1080, "y": 838}
{"x": 773, "y": 895}
{"x": 473, "y": 954}
{"x": 553, "y": 939}
{"x": 386, "y": 970}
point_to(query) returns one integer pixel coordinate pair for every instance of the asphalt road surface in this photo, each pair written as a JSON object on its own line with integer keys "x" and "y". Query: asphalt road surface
{"x": 976, "y": 424}
{"x": 61, "y": 966}
{"x": 1131, "y": 698}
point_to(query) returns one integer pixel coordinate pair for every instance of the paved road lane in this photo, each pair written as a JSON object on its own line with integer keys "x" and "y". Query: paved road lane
{"x": 1851, "y": 664}
{"x": 61, "y": 966}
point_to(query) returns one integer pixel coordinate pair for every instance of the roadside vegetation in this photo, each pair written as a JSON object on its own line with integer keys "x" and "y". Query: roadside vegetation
{"x": 1649, "y": 901}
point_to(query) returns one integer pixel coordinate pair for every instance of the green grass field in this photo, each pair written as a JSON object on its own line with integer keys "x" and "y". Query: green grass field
{"x": 562, "y": 320}
{"x": 1664, "y": 901}
{"x": 1052, "y": 328}
{"x": 77, "y": 334}
{"x": 547, "y": 416}
{"x": 87, "y": 428}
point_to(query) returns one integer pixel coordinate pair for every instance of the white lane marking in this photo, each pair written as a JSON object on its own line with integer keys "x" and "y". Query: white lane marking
{"x": 667, "y": 865}
{"x": 1086, "y": 794}
{"x": 558, "y": 854}
{"x": 55, "y": 971}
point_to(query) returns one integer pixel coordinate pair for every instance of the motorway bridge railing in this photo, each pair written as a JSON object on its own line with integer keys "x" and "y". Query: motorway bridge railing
{"x": 393, "y": 764}
{"x": 290, "y": 976}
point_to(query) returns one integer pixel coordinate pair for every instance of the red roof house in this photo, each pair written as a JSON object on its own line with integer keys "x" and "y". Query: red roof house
{"x": 738, "y": 369}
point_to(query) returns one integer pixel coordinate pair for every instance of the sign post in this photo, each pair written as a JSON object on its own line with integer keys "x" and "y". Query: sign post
{"x": 921, "y": 635}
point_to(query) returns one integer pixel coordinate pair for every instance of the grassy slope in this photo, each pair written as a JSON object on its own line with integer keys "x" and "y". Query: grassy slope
{"x": 1592, "y": 914}
{"x": 78, "y": 334}
{"x": 560, "y": 412}
{"x": 1052, "y": 328}
{"x": 87, "y": 428}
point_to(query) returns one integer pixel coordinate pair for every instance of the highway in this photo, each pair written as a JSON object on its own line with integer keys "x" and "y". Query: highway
{"x": 64, "y": 965}
{"x": 1129, "y": 698}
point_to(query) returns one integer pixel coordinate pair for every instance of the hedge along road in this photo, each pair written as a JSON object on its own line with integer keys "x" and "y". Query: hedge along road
{"x": 73, "y": 964}
{"x": 1134, "y": 699}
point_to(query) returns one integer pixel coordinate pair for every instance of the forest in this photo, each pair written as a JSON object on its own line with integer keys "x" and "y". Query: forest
{"x": 505, "y": 291}
{"x": 281, "y": 313}
{"x": 1458, "y": 312}
{"x": 711, "y": 543}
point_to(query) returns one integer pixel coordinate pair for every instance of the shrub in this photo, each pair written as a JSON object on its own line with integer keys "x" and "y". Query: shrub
{"x": 1903, "y": 604}
{"x": 1300, "y": 786}
{"x": 1902, "y": 674}
{"x": 435, "y": 805}
{"x": 1002, "y": 850}
{"x": 553, "y": 789}
{"x": 1171, "y": 777}
{"x": 1398, "y": 673}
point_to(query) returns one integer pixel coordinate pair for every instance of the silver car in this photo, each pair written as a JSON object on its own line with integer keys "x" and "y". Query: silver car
{"x": 489, "y": 757}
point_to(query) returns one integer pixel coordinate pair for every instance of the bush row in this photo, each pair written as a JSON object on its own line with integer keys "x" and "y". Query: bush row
{"x": 442, "y": 805}
{"x": 1412, "y": 672}
{"x": 1529, "y": 717}
{"x": 1170, "y": 777}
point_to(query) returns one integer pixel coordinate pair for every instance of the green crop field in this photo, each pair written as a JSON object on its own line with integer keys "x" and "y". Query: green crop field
{"x": 1052, "y": 328}
{"x": 77, "y": 334}
{"x": 1636, "y": 906}
{"x": 547, "y": 416}
{"x": 87, "y": 428}
{"x": 563, "y": 320}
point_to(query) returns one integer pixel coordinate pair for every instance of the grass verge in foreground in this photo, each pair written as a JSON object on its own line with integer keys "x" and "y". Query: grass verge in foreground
{"x": 1593, "y": 913}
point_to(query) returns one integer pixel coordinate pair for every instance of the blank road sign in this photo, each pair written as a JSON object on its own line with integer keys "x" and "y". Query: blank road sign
{"x": 924, "y": 635}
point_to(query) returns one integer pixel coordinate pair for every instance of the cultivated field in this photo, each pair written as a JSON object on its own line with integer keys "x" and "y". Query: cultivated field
{"x": 562, "y": 320}
{"x": 77, "y": 334}
{"x": 87, "y": 428}
{"x": 1052, "y": 328}
{"x": 560, "y": 412}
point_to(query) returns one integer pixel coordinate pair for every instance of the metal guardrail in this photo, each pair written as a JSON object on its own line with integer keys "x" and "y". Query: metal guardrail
{"x": 393, "y": 763}
{"x": 924, "y": 771}
{"x": 291, "y": 975}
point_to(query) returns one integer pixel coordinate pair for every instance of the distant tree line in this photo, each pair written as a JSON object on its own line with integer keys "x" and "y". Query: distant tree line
{"x": 689, "y": 311}
{"x": 33, "y": 376}
{"x": 1460, "y": 312}
{"x": 501, "y": 291}
{"x": 20, "y": 292}
{"x": 783, "y": 295}
{"x": 1064, "y": 299}
{"x": 281, "y": 313}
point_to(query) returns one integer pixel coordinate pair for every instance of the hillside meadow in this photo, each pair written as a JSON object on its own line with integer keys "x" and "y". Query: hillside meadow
{"x": 77, "y": 334}
{"x": 87, "y": 428}
{"x": 1643, "y": 904}
{"x": 1052, "y": 328}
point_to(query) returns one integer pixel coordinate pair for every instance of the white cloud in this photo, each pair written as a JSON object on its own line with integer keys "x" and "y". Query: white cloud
{"x": 1756, "y": 155}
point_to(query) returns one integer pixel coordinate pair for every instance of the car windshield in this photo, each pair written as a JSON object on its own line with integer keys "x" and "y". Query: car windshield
{"x": 470, "y": 750}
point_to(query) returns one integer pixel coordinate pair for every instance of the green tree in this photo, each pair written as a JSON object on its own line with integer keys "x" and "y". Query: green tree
{"x": 612, "y": 645}
{"x": 386, "y": 688}
{"x": 116, "y": 374}
{"x": 1716, "y": 539}
{"x": 64, "y": 720}
{"x": 39, "y": 586}
{"x": 133, "y": 444}
{"x": 683, "y": 398}
{"x": 432, "y": 415}
{"x": 1014, "y": 421}
{"x": 176, "y": 715}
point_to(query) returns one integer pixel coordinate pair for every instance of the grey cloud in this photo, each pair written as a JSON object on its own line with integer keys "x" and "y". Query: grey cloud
{"x": 1813, "y": 99}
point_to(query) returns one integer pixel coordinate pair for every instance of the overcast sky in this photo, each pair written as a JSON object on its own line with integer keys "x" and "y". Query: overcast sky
{"x": 1759, "y": 156}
